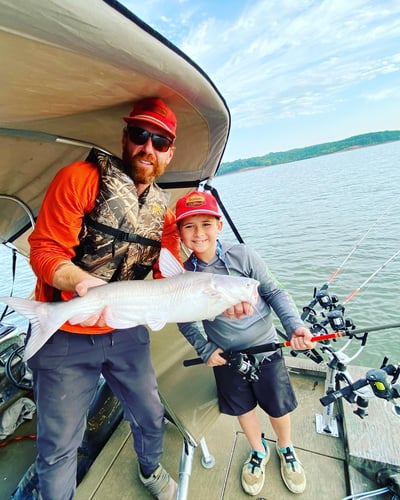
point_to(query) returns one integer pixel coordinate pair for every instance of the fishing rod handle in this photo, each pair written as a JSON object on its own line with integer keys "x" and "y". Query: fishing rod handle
{"x": 273, "y": 346}
{"x": 192, "y": 362}
{"x": 333, "y": 396}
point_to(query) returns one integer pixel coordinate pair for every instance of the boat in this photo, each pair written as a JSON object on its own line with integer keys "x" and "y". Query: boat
{"x": 70, "y": 71}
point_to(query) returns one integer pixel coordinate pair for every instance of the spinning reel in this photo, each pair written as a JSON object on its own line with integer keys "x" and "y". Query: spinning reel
{"x": 246, "y": 364}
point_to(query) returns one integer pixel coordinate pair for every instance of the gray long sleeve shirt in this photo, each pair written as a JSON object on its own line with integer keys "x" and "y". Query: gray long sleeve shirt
{"x": 254, "y": 330}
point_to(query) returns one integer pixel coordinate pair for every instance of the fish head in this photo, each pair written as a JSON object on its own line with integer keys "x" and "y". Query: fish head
{"x": 237, "y": 289}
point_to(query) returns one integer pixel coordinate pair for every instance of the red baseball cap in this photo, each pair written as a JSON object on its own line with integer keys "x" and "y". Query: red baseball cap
{"x": 153, "y": 110}
{"x": 196, "y": 203}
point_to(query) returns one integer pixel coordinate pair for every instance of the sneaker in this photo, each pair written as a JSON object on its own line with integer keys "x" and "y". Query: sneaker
{"x": 253, "y": 471}
{"x": 292, "y": 471}
{"x": 160, "y": 484}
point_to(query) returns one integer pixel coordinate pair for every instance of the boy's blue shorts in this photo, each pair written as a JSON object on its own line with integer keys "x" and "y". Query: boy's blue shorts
{"x": 273, "y": 392}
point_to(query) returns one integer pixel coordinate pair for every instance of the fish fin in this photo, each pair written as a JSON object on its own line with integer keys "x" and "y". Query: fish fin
{"x": 169, "y": 265}
{"x": 80, "y": 317}
{"x": 156, "y": 324}
{"x": 115, "y": 322}
{"x": 43, "y": 323}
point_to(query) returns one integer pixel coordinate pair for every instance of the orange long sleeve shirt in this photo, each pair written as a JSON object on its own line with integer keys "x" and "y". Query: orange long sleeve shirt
{"x": 70, "y": 196}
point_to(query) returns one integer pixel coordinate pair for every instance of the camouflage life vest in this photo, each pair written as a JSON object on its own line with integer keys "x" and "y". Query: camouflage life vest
{"x": 121, "y": 238}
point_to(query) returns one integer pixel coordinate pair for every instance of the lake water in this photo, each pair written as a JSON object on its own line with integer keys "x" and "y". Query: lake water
{"x": 305, "y": 218}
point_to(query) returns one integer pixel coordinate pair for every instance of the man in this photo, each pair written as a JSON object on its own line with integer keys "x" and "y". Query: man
{"x": 102, "y": 220}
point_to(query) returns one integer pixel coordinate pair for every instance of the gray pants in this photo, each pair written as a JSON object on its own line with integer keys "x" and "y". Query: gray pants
{"x": 66, "y": 372}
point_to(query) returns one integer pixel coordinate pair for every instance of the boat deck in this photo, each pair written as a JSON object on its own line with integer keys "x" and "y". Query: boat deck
{"x": 114, "y": 474}
{"x": 332, "y": 464}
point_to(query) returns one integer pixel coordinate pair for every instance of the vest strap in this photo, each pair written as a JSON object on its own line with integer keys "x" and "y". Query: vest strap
{"x": 122, "y": 235}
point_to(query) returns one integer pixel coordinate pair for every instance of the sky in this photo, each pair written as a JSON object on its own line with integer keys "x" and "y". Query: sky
{"x": 293, "y": 73}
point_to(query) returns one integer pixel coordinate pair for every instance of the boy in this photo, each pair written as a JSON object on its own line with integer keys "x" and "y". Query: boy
{"x": 199, "y": 224}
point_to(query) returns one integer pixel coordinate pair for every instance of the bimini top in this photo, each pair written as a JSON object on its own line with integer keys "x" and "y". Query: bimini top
{"x": 69, "y": 73}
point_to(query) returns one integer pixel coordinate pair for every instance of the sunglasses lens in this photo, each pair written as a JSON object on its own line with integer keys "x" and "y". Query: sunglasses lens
{"x": 161, "y": 143}
{"x": 140, "y": 136}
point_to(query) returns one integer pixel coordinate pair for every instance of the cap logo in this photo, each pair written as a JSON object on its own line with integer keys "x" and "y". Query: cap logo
{"x": 153, "y": 110}
{"x": 195, "y": 200}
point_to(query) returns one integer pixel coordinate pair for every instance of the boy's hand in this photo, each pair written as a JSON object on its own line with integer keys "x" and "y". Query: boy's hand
{"x": 301, "y": 339}
{"x": 215, "y": 359}
{"x": 240, "y": 310}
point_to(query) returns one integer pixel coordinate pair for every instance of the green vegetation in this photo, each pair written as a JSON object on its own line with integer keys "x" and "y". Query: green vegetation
{"x": 357, "y": 141}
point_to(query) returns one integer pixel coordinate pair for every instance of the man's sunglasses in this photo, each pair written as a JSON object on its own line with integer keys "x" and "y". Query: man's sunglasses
{"x": 140, "y": 136}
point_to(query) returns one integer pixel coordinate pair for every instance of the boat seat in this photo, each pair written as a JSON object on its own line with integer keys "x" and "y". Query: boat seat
{"x": 189, "y": 396}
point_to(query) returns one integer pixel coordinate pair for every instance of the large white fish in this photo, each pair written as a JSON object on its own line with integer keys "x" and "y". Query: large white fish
{"x": 181, "y": 297}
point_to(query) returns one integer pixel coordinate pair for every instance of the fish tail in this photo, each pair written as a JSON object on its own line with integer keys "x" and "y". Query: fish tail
{"x": 43, "y": 323}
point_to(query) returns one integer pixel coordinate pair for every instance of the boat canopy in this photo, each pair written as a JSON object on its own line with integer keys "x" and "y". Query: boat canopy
{"x": 70, "y": 72}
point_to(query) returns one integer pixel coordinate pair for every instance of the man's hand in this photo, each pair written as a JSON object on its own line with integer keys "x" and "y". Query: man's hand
{"x": 81, "y": 289}
{"x": 301, "y": 339}
{"x": 240, "y": 310}
{"x": 90, "y": 282}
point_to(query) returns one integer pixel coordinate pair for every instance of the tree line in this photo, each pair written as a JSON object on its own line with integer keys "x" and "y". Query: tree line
{"x": 357, "y": 141}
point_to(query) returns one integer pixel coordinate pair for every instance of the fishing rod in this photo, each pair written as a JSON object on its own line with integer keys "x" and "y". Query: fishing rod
{"x": 326, "y": 301}
{"x": 357, "y": 331}
{"x": 272, "y": 346}
{"x": 356, "y": 290}
{"x": 330, "y": 303}
{"x": 338, "y": 269}
{"x": 332, "y": 316}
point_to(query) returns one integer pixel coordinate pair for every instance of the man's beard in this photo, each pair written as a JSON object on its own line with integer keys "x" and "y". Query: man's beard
{"x": 140, "y": 173}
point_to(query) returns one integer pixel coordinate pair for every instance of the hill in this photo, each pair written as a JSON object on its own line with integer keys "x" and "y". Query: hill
{"x": 357, "y": 141}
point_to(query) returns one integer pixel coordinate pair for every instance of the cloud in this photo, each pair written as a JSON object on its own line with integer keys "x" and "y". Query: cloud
{"x": 383, "y": 94}
{"x": 310, "y": 51}
{"x": 280, "y": 60}
{"x": 270, "y": 40}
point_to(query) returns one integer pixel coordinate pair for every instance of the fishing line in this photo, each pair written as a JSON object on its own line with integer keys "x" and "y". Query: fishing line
{"x": 278, "y": 330}
{"x": 356, "y": 290}
{"x": 338, "y": 269}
